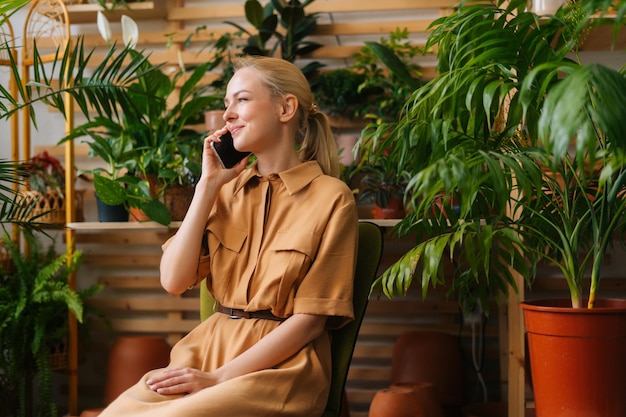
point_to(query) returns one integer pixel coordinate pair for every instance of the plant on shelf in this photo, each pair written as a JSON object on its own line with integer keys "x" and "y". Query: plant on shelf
{"x": 382, "y": 185}
{"x": 290, "y": 39}
{"x": 530, "y": 144}
{"x": 391, "y": 75}
{"x": 146, "y": 145}
{"x": 35, "y": 301}
{"x": 45, "y": 179}
{"x": 338, "y": 92}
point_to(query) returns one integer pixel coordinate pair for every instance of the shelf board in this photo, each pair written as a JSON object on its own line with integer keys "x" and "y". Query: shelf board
{"x": 144, "y": 10}
{"x": 151, "y": 226}
{"x": 120, "y": 226}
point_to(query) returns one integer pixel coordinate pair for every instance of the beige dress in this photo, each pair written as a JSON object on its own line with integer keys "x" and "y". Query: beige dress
{"x": 286, "y": 243}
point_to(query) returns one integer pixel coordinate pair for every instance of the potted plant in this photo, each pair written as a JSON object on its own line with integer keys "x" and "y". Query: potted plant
{"x": 140, "y": 144}
{"x": 289, "y": 39}
{"x": 492, "y": 133}
{"x": 390, "y": 75}
{"x": 45, "y": 179}
{"x": 35, "y": 301}
{"x": 383, "y": 186}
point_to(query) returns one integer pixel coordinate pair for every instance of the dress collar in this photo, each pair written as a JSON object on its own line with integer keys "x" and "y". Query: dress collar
{"x": 295, "y": 179}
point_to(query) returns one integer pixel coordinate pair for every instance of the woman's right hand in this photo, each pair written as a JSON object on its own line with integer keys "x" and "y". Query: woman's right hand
{"x": 211, "y": 166}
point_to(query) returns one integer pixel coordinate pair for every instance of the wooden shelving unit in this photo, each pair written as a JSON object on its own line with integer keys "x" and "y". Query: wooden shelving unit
{"x": 145, "y": 10}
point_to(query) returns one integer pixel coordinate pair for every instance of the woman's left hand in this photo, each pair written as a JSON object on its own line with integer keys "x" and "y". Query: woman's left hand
{"x": 181, "y": 381}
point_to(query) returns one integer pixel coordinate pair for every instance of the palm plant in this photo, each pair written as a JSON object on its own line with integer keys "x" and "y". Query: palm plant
{"x": 483, "y": 133}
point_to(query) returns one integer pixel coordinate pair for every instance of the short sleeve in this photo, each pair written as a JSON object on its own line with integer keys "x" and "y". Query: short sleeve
{"x": 327, "y": 288}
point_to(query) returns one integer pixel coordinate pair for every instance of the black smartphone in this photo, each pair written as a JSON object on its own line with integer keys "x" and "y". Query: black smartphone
{"x": 226, "y": 152}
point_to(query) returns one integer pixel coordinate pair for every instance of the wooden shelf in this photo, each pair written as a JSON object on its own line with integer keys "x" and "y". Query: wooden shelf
{"x": 145, "y": 10}
{"x": 151, "y": 226}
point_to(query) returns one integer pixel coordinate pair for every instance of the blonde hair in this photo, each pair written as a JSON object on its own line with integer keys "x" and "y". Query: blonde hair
{"x": 315, "y": 137}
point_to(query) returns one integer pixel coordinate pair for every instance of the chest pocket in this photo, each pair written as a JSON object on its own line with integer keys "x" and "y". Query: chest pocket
{"x": 225, "y": 246}
{"x": 294, "y": 251}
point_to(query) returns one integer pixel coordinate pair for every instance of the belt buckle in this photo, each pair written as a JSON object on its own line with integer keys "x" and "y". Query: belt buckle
{"x": 232, "y": 316}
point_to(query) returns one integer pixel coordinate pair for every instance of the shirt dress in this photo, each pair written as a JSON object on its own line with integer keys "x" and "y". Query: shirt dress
{"x": 285, "y": 243}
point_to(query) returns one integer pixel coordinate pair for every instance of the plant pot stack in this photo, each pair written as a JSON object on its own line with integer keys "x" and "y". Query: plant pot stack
{"x": 428, "y": 365}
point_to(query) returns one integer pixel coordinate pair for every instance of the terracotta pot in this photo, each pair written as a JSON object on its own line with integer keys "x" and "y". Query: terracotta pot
{"x": 177, "y": 201}
{"x": 395, "y": 402}
{"x": 431, "y": 357}
{"x": 130, "y": 358}
{"x": 426, "y": 396}
{"x": 577, "y": 357}
{"x": 394, "y": 210}
{"x": 138, "y": 215}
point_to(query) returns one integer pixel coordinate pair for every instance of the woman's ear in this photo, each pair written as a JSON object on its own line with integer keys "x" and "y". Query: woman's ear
{"x": 288, "y": 108}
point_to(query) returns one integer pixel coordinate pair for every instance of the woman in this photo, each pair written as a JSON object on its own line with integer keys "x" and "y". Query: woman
{"x": 277, "y": 244}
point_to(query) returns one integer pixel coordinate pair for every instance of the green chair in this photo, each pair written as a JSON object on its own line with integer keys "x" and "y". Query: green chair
{"x": 343, "y": 340}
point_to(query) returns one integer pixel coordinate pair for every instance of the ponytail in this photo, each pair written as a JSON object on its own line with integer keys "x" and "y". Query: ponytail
{"x": 318, "y": 142}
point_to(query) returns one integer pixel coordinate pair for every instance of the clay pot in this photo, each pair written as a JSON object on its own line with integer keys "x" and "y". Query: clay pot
{"x": 394, "y": 210}
{"x": 177, "y": 201}
{"x": 426, "y": 396}
{"x": 396, "y": 402}
{"x": 130, "y": 358}
{"x": 431, "y": 357}
{"x": 577, "y": 357}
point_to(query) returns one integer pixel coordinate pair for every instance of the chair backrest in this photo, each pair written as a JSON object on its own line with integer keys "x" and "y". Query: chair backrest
{"x": 344, "y": 339}
{"x": 369, "y": 253}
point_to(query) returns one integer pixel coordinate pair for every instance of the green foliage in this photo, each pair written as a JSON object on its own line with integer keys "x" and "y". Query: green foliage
{"x": 148, "y": 140}
{"x": 391, "y": 75}
{"x": 290, "y": 39}
{"x": 337, "y": 92}
{"x": 34, "y": 302}
{"x": 491, "y": 134}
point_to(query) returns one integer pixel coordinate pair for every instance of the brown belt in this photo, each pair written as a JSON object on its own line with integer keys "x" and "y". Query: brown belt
{"x": 235, "y": 313}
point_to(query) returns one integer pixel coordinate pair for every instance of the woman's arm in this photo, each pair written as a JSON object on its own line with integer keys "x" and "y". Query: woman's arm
{"x": 277, "y": 346}
{"x": 179, "y": 262}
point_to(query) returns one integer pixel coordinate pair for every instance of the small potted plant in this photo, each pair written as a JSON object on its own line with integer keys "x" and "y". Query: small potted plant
{"x": 289, "y": 40}
{"x": 383, "y": 186}
{"x": 45, "y": 179}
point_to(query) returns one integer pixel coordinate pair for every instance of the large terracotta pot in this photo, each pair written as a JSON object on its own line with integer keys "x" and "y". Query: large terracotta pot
{"x": 395, "y": 402}
{"x": 426, "y": 396}
{"x": 577, "y": 357}
{"x": 432, "y": 357}
{"x": 130, "y": 358}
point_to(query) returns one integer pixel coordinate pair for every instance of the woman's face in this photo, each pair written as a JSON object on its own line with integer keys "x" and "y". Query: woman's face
{"x": 251, "y": 114}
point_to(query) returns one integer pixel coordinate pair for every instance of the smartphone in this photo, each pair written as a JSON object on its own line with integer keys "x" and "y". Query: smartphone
{"x": 226, "y": 152}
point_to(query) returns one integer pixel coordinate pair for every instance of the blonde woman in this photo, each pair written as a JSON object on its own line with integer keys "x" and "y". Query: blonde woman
{"x": 276, "y": 242}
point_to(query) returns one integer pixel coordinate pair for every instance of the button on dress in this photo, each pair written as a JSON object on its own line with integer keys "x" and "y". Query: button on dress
{"x": 284, "y": 243}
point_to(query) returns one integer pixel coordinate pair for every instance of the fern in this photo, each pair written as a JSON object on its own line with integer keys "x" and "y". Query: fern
{"x": 34, "y": 301}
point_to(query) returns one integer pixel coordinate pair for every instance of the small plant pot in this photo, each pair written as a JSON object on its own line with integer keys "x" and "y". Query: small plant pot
{"x": 394, "y": 210}
{"x": 107, "y": 213}
{"x": 177, "y": 201}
